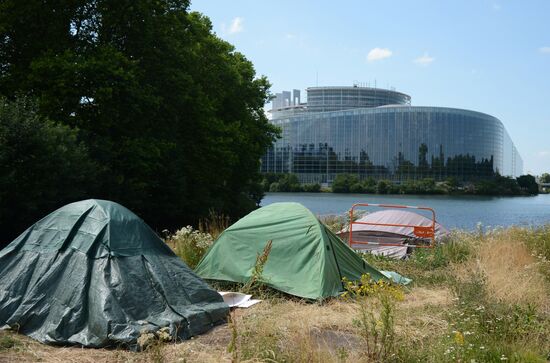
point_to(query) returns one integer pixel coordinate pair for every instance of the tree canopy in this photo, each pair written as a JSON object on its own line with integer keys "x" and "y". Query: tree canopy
{"x": 43, "y": 165}
{"x": 171, "y": 114}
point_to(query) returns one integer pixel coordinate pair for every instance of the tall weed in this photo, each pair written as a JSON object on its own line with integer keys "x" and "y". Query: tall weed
{"x": 214, "y": 224}
{"x": 256, "y": 280}
{"x": 377, "y": 328}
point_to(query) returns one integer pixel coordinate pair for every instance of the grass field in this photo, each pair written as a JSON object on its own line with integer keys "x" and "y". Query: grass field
{"x": 481, "y": 297}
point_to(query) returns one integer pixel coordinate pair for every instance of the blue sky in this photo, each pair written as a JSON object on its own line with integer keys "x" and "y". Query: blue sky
{"x": 487, "y": 56}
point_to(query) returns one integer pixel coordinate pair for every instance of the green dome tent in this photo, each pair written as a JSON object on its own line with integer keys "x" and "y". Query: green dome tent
{"x": 306, "y": 258}
{"x": 92, "y": 273}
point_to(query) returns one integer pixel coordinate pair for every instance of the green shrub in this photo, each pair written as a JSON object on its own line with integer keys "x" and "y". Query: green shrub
{"x": 356, "y": 188}
{"x": 312, "y": 188}
{"x": 190, "y": 245}
{"x": 343, "y": 182}
{"x": 383, "y": 187}
{"x": 274, "y": 187}
{"x": 7, "y": 342}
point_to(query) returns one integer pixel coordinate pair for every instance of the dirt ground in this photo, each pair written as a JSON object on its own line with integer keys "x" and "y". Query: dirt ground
{"x": 326, "y": 327}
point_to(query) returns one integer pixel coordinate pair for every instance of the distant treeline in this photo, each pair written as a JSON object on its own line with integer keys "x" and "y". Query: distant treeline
{"x": 276, "y": 182}
{"x": 349, "y": 183}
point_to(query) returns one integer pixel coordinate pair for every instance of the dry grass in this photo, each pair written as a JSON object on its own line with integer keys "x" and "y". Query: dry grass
{"x": 420, "y": 317}
{"x": 499, "y": 271}
{"x": 214, "y": 224}
{"x": 28, "y": 350}
{"x": 274, "y": 329}
{"x": 421, "y": 297}
{"x": 510, "y": 271}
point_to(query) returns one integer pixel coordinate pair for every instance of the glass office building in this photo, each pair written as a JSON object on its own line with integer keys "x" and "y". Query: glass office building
{"x": 376, "y": 133}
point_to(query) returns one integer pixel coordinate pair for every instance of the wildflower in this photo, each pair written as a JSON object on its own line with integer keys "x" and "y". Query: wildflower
{"x": 459, "y": 338}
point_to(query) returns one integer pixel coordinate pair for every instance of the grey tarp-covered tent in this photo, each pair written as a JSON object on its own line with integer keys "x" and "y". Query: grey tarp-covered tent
{"x": 388, "y": 234}
{"x": 92, "y": 273}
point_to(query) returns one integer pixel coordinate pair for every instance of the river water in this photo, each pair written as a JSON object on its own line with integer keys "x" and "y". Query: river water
{"x": 464, "y": 212}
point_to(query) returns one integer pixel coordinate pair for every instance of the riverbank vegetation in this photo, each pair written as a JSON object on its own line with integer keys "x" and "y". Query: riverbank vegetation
{"x": 350, "y": 183}
{"x": 482, "y": 297}
{"x": 275, "y": 182}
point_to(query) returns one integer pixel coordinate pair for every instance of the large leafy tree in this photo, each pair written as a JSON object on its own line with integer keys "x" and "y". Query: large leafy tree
{"x": 172, "y": 114}
{"x": 43, "y": 166}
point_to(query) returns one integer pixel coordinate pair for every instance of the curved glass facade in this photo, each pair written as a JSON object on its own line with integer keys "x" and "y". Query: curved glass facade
{"x": 392, "y": 142}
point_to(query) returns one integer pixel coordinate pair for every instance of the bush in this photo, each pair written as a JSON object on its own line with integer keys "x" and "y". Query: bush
{"x": 190, "y": 245}
{"x": 356, "y": 188}
{"x": 499, "y": 185}
{"x": 383, "y": 187}
{"x": 283, "y": 183}
{"x": 369, "y": 185}
{"x": 274, "y": 187}
{"x": 343, "y": 182}
{"x": 312, "y": 188}
{"x": 528, "y": 184}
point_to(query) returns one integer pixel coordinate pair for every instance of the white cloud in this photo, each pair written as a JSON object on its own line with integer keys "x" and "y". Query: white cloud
{"x": 544, "y": 50}
{"x": 543, "y": 153}
{"x": 424, "y": 60}
{"x": 236, "y": 25}
{"x": 290, "y": 36}
{"x": 378, "y": 54}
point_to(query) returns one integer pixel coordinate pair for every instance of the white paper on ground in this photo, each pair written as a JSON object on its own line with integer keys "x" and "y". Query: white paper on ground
{"x": 238, "y": 299}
